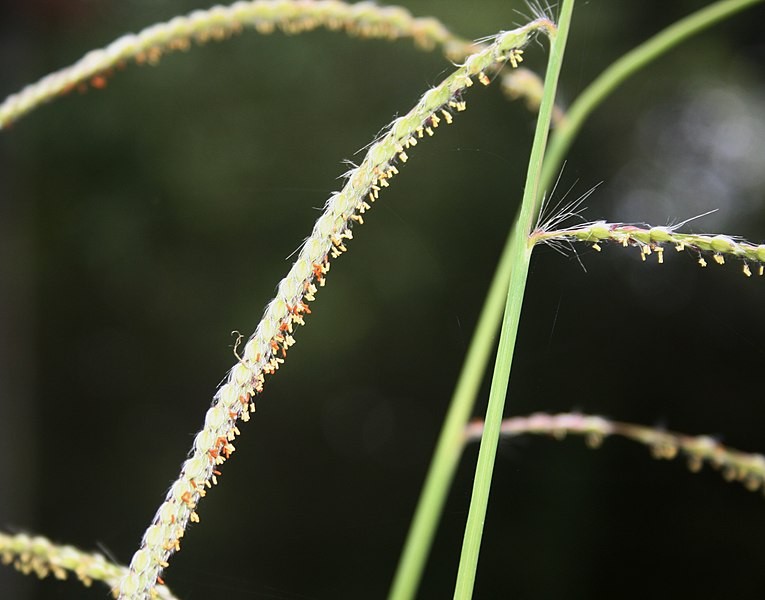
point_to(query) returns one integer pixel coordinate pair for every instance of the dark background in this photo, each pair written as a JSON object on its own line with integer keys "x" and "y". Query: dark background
{"x": 140, "y": 224}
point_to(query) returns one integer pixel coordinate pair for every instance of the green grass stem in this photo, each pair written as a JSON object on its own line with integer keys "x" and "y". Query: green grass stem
{"x": 450, "y": 442}
{"x": 520, "y": 253}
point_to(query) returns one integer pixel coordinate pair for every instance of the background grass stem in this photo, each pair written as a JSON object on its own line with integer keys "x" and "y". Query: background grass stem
{"x": 449, "y": 447}
{"x": 623, "y": 68}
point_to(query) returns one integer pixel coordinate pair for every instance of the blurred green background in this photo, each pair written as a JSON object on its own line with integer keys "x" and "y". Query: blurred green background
{"x": 141, "y": 223}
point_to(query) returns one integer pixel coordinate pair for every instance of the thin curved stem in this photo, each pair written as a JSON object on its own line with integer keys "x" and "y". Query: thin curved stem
{"x": 449, "y": 447}
{"x": 625, "y": 67}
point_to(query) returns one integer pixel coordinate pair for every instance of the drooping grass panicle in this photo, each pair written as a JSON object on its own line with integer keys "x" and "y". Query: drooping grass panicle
{"x": 748, "y": 469}
{"x": 363, "y": 19}
{"x": 527, "y": 85}
{"x": 39, "y": 556}
{"x": 652, "y": 240}
{"x": 267, "y": 347}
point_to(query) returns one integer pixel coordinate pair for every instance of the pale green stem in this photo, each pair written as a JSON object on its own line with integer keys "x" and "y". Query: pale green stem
{"x": 520, "y": 251}
{"x": 624, "y": 67}
{"x": 449, "y": 448}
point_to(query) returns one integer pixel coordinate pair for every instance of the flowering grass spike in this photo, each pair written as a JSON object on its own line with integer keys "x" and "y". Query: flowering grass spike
{"x": 653, "y": 241}
{"x": 748, "y": 469}
{"x": 363, "y": 19}
{"x": 267, "y": 348}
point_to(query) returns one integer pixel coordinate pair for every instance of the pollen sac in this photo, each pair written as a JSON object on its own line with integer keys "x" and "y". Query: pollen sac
{"x": 594, "y": 439}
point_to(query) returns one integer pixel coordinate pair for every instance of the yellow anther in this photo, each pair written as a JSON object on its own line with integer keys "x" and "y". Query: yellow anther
{"x": 516, "y": 58}
{"x": 680, "y": 246}
{"x": 483, "y": 78}
{"x": 747, "y": 272}
{"x": 660, "y": 254}
{"x": 596, "y": 247}
{"x": 719, "y": 259}
{"x": 447, "y": 116}
{"x": 702, "y": 262}
{"x": 403, "y": 157}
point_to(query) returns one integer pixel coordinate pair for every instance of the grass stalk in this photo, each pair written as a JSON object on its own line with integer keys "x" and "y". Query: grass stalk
{"x": 449, "y": 447}
{"x": 626, "y": 66}
{"x": 520, "y": 252}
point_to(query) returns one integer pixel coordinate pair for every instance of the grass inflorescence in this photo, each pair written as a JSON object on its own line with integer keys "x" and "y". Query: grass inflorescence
{"x": 267, "y": 348}
{"x": 654, "y": 240}
{"x": 363, "y": 19}
{"x": 39, "y": 556}
{"x": 734, "y": 465}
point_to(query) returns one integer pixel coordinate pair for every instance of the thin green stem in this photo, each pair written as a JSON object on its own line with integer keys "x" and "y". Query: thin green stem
{"x": 520, "y": 252}
{"x": 624, "y": 67}
{"x": 449, "y": 448}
